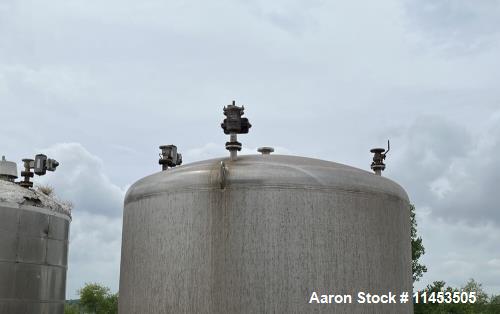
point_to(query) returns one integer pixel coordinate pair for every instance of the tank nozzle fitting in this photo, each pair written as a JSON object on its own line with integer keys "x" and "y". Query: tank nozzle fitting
{"x": 265, "y": 150}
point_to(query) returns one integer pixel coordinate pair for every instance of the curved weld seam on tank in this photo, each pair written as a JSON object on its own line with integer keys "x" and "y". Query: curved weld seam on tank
{"x": 18, "y": 236}
{"x": 222, "y": 174}
{"x": 326, "y": 189}
{"x": 46, "y": 236}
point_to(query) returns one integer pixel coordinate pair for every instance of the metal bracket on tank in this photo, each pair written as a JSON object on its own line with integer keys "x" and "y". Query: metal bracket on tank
{"x": 222, "y": 173}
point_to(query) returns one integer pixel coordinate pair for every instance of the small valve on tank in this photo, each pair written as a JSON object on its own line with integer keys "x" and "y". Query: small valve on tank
{"x": 169, "y": 157}
{"x": 378, "y": 159}
{"x": 266, "y": 150}
{"x": 234, "y": 124}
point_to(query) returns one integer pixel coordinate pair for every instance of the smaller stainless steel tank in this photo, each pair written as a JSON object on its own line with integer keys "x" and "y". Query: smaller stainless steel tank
{"x": 34, "y": 231}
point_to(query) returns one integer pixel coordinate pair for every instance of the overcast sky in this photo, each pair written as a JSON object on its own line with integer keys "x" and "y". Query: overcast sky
{"x": 99, "y": 85}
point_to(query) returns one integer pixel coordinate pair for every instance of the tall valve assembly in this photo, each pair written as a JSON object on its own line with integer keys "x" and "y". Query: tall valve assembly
{"x": 260, "y": 233}
{"x": 233, "y": 125}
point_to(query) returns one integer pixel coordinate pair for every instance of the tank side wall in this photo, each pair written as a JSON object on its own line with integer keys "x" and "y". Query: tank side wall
{"x": 263, "y": 250}
{"x": 33, "y": 260}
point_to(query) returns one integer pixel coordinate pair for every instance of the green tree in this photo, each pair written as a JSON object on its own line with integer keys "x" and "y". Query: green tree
{"x": 474, "y": 286}
{"x": 432, "y": 308}
{"x": 98, "y": 299}
{"x": 483, "y": 304}
{"x": 495, "y": 299}
{"x": 417, "y": 248}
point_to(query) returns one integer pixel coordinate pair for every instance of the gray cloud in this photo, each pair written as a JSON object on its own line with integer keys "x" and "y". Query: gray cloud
{"x": 458, "y": 27}
{"x": 457, "y": 251}
{"x": 449, "y": 170}
{"x": 451, "y": 175}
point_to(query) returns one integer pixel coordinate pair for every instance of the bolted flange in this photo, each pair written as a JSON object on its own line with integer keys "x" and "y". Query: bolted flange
{"x": 27, "y": 174}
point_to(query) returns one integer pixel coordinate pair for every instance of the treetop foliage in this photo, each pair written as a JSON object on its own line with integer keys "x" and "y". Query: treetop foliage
{"x": 417, "y": 248}
{"x": 95, "y": 299}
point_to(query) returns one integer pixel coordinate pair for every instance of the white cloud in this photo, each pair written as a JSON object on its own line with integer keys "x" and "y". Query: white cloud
{"x": 440, "y": 187}
{"x": 80, "y": 178}
{"x": 94, "y": 251}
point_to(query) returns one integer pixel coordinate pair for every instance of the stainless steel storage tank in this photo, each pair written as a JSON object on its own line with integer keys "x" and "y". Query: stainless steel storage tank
{"x": 34, "y": 231}
{"x": 260, "y": 234}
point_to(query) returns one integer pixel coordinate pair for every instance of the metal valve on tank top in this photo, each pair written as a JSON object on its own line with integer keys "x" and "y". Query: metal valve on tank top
{"x": 40, "y": 165}
{"x": 378, "y": 159}
{"x": 234, "y": 124}
{"x": 169, "y": 157}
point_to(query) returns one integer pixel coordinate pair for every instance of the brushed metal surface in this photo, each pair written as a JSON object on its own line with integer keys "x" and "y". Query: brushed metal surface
{"x": 31, "y": 249}
{"x": 58, "y": 228}
{"x": 31, "y": 307}
{"x": 33, "y": 259}
{"x": 10, "y": 220}
{"x": 8, "y": 245}
{"x": 57, "y": 252}
{"x": 33, "y": 223}
{"x": 282, "y": 227}
{"x": 8, "y": 280}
